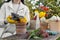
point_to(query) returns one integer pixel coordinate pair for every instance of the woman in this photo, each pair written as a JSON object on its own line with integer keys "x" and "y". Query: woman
{"x": 14, "y": 6}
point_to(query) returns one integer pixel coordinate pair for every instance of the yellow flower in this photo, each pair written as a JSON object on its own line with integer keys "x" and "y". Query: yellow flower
{"x": 36, "y": 10}
{"x": 42, "y": 14}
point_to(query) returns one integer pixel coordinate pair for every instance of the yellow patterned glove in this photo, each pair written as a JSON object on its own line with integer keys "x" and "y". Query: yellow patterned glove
{"x": 23, "y": 20}
{"x": 10, "y": 20}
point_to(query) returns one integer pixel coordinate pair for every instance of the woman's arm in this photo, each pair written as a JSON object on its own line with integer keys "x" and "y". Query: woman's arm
{"x": 2, "y": 14}
{"x": 27, "y": 16}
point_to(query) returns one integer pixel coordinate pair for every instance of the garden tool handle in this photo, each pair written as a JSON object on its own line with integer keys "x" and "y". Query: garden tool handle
{"x": 16, "y": 16}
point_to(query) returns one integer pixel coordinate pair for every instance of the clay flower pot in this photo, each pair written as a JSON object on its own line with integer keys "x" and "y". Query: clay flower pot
{"x": 20, "y": 28}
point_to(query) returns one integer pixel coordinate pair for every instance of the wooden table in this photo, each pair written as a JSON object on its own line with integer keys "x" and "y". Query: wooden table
{"x": 17, "y": 37}
{"x": 25, "y": 36}
{"x": 52, "y": 37}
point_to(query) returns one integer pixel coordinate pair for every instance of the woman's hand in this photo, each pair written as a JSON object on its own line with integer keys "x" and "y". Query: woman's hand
{"x": 10, "y": 20}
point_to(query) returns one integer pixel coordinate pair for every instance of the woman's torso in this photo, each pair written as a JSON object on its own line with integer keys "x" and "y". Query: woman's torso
{"x": 18, "y": 9}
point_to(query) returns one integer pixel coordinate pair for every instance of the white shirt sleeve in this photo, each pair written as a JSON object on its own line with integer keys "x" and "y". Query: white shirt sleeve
{"x": 2, "y": 14}
{"x": 28, "y": 15}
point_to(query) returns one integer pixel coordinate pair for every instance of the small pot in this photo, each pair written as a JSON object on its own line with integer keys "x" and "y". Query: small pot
{"x": 20, "y": 28}
{"x": 21, "y": 31}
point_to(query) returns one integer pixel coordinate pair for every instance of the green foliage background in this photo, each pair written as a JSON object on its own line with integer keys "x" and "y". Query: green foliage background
{"x": 52, "y": 4}
{"x": 1, "y": 2}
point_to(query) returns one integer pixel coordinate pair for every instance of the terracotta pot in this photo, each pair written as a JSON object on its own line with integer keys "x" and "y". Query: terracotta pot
{"x": 20, "y": 31}
{"x": 43, "y": 25}
{"x": 20, "y": 28}
{"x": 32, "y": 24}
{"x": 20, "y": 24}
{"x": 54, "y": 26}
